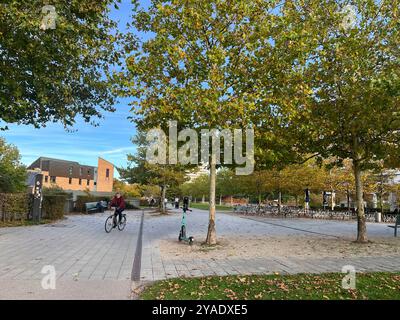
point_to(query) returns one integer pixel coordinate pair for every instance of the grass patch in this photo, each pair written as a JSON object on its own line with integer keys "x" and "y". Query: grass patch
{"x": 205, "y": 206}
{"x": 328, "y": 286}
{"x": 24, "y": 223}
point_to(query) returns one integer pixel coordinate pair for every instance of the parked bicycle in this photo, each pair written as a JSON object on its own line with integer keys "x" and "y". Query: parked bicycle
{"x": 112, "y": 222}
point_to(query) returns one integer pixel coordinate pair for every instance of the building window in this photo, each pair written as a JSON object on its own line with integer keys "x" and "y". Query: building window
{"x": 95, "y": 183}
{"x": 88, "y": 172}
{"x": 70, "y": 171}
{"x": 107, "y": 173}
{"x": 46, "y": 179}
{"x": 70, "y": 181}
{"x": 53, "y": 179}
{"x": 80, "y": 182}
{"x": 80, "y": 171}
{"x": 87, "y": 182}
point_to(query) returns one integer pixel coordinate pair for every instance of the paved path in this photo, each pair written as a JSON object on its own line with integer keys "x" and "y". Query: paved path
{"x": 80, "y": 251}
{"x": 156, "y": 268}
{"x": 91, "y": 264}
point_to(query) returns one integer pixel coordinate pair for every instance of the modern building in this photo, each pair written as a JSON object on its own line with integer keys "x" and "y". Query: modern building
{"x": 71, "y": 175}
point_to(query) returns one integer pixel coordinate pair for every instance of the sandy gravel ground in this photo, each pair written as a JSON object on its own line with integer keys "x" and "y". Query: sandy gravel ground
{"x": 285, "y": 246}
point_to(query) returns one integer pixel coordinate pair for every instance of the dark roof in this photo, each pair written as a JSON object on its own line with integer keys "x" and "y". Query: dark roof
{"x": 67, "y": 162}
{"x": 64, "y": 168}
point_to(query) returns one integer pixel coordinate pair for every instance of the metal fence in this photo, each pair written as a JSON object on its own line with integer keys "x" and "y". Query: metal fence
{"x": 296, "y": 212}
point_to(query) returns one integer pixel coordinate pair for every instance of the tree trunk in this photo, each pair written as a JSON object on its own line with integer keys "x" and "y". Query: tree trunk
{"x": 348, "y": 200}
{"x": 279, "y": 201}
{"x": 377, "y": 218}
{"x": 220, "y": 200}
{"x": 3, "y": 213}
{"x": 332, "y": 200}
{"x": 202, "y": 199}
{"x": 212, "y": 234}
{"x": 361, "y": 221}
{"x": 163, "y": 206}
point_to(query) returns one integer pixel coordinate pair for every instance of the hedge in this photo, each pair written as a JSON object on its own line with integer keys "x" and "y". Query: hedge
{"x": 15, "y": 206}
{"x": 18, "y": 206}
{"x": 53, "y": 206}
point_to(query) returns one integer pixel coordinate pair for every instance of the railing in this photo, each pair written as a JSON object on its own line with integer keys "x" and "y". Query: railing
{"x": 296, "y": 212}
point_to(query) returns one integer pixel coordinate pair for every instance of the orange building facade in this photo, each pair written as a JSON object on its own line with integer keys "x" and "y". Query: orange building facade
{"x": 70, "y": 175}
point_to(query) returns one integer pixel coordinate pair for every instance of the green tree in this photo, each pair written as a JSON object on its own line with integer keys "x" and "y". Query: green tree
{"x": 140, "y": 171}
{"x": 340, "y": 87}
{"x": 56, "y": 74}
{"x": 186, "y": 67}
{"x": 150, "y": 191}
{"x": 197, "y": 188}
{"x": 224, "y": 183}
{"x": 12, "y": 172}
{"x": 355, "y": 80}
{"x": 129, "y": 190}
{"x": 254, "y": 186}
{"x": 296, "y": 178}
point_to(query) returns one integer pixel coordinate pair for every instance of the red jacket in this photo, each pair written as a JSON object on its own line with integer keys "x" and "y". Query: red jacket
{"x": 118, "y": 202}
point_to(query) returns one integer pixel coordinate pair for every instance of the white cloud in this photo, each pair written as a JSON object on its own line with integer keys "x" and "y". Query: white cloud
{"x": 118, "y": 150}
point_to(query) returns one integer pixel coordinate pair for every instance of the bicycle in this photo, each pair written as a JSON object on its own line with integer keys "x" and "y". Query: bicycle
{"x": 111, "y": 222}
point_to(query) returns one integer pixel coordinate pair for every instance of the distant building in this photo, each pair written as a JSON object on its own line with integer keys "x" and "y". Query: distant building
{"x": 70, "y": 175}
{"x": 393, "y": 178}
{"x": 202, "y": 170}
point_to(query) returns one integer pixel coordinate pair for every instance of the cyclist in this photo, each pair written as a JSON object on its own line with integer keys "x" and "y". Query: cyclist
{"x": 119, "y": 203}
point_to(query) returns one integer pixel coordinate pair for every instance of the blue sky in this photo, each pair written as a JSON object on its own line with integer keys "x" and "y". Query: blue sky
{"x": 110, "y": 140}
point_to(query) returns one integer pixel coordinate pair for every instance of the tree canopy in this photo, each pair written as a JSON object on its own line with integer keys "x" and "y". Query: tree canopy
{"x": 310, "y": 83}
{"x": 351, "y": 78}
{"x": 12, "y": 172}
{"x": 56, "y": 74}
{"x": 140, "y": 171}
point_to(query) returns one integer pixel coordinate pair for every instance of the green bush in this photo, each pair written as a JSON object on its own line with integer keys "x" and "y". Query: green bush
{"x": 15, "y": 206}
{"x": 53, "y": 206}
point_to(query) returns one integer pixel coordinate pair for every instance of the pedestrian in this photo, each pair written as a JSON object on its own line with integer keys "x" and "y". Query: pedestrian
{"x": 176, "y": 203}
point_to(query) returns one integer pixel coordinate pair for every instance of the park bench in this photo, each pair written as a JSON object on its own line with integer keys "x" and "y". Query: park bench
{"x": 92, "y": 207}
{"x": 396, "y": 225}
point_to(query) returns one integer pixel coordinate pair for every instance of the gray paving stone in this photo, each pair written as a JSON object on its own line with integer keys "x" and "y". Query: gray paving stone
{"x": 83, "y": 250}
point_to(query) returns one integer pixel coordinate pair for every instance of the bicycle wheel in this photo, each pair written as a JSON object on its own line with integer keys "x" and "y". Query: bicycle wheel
{"x": 122, "y": 223}
{"x": 108, "y": 226}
